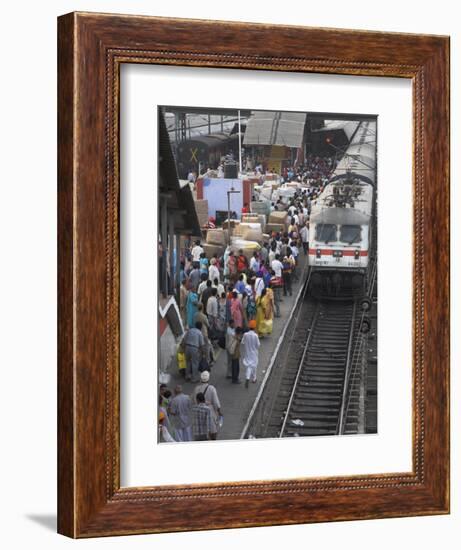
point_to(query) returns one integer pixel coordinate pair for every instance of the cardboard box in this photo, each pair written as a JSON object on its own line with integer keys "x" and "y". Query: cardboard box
{"x": 278, "y": 217}
{"x": 254, "y": 218}
{"x": 249, "y": 232}
{"x": 217, "y": 236}
{"x": 212, "y": 249}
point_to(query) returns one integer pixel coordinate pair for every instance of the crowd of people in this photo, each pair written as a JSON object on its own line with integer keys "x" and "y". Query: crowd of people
{"x": 229, "y": 301}
{"x": 314, "y": 171}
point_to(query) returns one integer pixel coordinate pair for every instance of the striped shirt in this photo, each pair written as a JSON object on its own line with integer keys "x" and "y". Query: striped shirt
{"x": 201, "y": 419}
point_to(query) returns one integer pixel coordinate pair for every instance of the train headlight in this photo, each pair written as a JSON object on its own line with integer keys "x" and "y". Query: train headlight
{"x": 318, "y": 253}
{"x": 357, "y": 254}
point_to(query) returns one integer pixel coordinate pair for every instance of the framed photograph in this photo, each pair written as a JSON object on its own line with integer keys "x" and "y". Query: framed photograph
{"x": 253, "y": 258}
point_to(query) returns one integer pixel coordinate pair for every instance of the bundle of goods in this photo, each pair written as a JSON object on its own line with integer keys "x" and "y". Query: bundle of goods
{"x": 248, "y": 247}
{"x": 284, "y": 193}
{"x": 212, "y": 249}
{"x": 249, "y": 232}
{"x": 254, "y": 218}
{"x": 265, "y": 192}
{"x": 278, "y": 217}
{"x": 261, "y": 207}
{"x": 275, "y": 227}
{"x": 217, "y": 236}
{"x": 201, "y": 206}
{"x": 233, "y": 224}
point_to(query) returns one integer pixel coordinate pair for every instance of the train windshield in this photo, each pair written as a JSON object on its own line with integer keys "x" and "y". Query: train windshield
{"x": 325, "y": 232}
{"x": 350, "y": 234}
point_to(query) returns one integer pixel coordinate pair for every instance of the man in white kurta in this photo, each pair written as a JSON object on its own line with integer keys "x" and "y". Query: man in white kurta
{"x": 249, "y": 353}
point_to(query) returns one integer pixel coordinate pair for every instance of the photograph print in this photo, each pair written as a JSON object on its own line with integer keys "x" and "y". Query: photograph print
{"x": 267, "y": 274}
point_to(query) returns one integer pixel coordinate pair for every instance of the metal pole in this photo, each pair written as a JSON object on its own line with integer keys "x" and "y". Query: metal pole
{"x": 228, "y": 218}
{"x": 240, "y": 144}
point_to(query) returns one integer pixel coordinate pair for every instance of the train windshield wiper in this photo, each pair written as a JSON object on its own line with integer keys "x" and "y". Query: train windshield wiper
{"x": 350, "y": 234}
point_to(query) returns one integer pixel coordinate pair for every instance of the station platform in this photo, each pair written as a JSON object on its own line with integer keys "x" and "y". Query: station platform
{"x": 236, "y": 400}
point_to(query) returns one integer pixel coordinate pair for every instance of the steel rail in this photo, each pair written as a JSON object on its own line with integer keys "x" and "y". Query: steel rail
{"x": 300, "y": 368}
{"x": 341, "y": 419}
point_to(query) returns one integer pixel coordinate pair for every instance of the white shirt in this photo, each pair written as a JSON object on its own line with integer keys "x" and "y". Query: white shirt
{"x": 259, "y": 286}
{"x": 304, "y": 234}
{"x": 201, "y": 287}
{"x": 277, "y": 267}
{"x": 250, "y": 349}
{"x": 196, "y": 251}
{"x": 230, "y": 333}
{"x": 220, "y": 289}
{"x": 254, "y": 264}
{"x": 212, "y": 306}
{"x": 213, "y": 273}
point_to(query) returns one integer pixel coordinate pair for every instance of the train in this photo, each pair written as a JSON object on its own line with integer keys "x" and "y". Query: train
{"x": 342, "y": 228}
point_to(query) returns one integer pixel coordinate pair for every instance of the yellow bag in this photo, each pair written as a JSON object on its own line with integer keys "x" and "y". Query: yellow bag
{"x": 181, "y": 357}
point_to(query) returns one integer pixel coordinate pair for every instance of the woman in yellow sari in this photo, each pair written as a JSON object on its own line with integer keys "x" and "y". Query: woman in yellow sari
{"x": 264, "y": 312}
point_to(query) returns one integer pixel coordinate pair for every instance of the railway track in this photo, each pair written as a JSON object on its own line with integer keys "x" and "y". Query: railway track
{"x": 317, "y": 394}
{"x": 314, "y": 386}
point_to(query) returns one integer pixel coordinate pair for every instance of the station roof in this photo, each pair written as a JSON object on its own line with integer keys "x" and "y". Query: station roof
{"x": 347, "y": 126}
{"x": 275, "y": 128}
{"x": 179, "y": 198}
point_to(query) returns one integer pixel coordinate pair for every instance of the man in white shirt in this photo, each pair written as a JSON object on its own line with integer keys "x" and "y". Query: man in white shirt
{"x": 254, "y": 262}
{"x": 196, "y": 251}
{"x": 202, "y": 285}
{"x": 277, "y": 266}
{"x": 249, "y": 350}
{"x": 294, "y": 250}
{"x": 213, "y": 271}
{"x": 304, "y": 234}
{"x": 219, "y": 287}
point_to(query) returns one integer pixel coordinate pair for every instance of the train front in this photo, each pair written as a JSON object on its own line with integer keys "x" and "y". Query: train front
{"x": 342, "y": 229}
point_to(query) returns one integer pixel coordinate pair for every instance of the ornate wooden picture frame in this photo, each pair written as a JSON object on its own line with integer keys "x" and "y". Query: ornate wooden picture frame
{"x": 92, "y": 48}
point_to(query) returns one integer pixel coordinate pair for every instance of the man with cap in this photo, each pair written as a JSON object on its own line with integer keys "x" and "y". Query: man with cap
{"x": 249, "y": 351}
{"x": 211, "y": 399}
